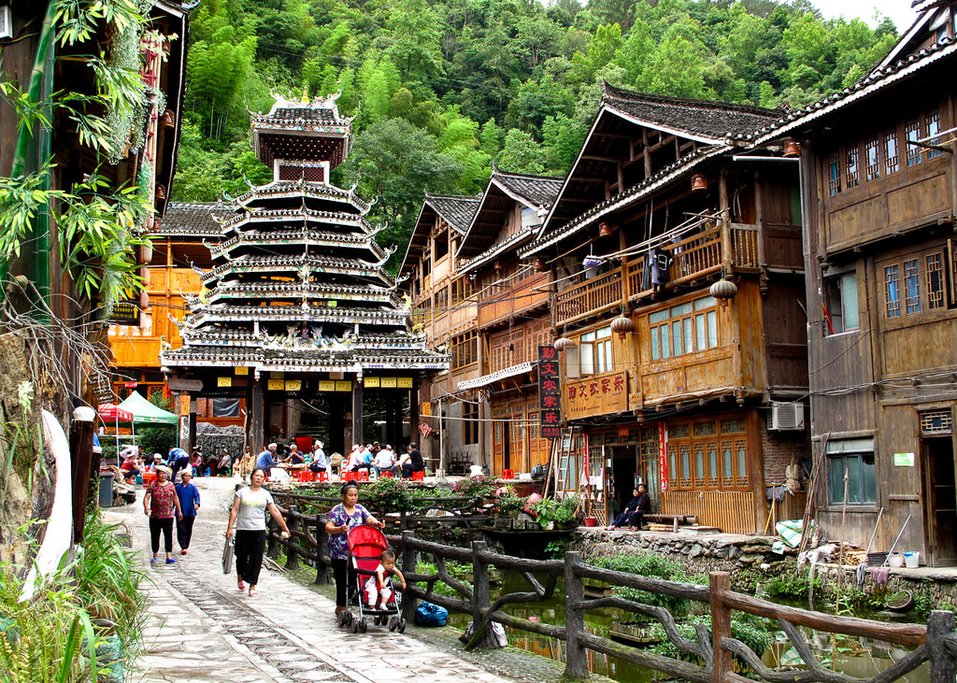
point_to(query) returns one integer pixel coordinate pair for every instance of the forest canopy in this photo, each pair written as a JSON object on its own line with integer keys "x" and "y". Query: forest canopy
{"x": 441, "y": 90}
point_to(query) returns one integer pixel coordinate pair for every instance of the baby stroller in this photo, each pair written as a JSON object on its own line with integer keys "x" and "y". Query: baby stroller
{"x": 366, "y": 544}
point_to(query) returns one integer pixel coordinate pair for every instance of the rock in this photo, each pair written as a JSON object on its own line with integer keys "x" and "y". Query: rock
{"x": 696, "y": 551}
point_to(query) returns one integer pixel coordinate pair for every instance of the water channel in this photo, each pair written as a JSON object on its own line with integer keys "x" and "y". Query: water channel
{"x": 858, "y": 657}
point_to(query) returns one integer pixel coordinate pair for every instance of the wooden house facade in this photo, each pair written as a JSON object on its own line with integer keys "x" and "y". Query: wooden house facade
{"x": 513, "y": 319}
{"x": 879, "y": 169}
{"x": 444, "y": 308}
{"x": 676, "y": 271}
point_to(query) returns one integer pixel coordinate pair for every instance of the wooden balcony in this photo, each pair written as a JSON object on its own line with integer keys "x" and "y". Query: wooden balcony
{"x": 693, "y": 258}
{"x": 506, "y": 302}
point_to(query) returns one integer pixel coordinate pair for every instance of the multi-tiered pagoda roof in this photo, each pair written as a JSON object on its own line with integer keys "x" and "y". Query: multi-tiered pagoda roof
{"x": 298, "y": 282}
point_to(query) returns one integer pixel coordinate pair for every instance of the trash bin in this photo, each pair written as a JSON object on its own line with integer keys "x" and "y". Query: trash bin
{"x": 106, "y": 489}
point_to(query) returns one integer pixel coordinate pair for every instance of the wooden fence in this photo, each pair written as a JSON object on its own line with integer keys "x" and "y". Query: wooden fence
{"x": 712, "y": 653}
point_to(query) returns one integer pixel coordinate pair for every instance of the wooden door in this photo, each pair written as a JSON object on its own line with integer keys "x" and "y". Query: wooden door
{"x": 940, "y": 502}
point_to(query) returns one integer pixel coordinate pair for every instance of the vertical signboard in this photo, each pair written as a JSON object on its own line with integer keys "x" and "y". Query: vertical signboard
{"x": 549, "y": 393}
{"x": 663, "y": 455}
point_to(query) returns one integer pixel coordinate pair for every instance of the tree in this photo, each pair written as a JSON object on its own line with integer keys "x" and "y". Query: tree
{"x": 521, "y": 154}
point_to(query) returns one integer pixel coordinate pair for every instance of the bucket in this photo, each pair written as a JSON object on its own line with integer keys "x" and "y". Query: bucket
{"x": 591, "y": 521}
{"x": 912, "y": 559}
{"x": 895, "y": 560}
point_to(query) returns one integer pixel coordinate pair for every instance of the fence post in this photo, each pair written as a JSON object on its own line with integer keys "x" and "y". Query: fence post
{"x": 943, "y": 664}
{"x": 272, "y": 539}
{"x": 721, "y": 662}
{"x": 409, "y": 559}
{"x": 480, "y": 596}
{"x": 292, "y": 545}
{"x": 576, "y": 657}
{"x": 322, "y": 569}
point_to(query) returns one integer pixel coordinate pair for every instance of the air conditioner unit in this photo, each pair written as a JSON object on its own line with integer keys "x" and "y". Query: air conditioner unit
{"x": 6, "y": 22}
{"x": 786, "y": 416}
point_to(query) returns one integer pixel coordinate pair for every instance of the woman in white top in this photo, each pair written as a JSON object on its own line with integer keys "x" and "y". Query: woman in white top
{"x": 248, "y": 517}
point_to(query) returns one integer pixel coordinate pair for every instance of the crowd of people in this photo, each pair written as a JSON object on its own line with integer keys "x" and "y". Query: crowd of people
{"x": 372, "y": 458}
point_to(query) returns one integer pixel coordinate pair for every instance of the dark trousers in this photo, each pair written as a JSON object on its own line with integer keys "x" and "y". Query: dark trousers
{"x": 166, "y": 526}
{"x": 184, "y": 530}
{"x": 249, "y": 554}
{"x": 343, "y": 574}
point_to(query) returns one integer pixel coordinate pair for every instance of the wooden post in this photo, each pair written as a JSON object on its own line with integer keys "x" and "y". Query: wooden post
{"x": 256, "y": 430}
{"x": 943, "y": 665}
{"x": 272, "y": 544}
{"x": 727, "y": 246}
{"x": 409, "y": 559}
{"x": 322, "y": 569}
{"x": 357, "y": 435}
{"x": 480, "y": 592}
{"x": 292, "y": 522}
{"x": 721, "y": 662}
{"x": 576, "y": 657}
{"x": 81, "y": 449}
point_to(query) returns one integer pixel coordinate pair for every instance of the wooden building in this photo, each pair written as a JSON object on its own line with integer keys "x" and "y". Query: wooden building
{"x": 513, "y": 319}
{"x": 444, "y": 309}
{"x": 297, "y": 315}
{"x": 879, "y": 170}
{"x": 674, "y": 249}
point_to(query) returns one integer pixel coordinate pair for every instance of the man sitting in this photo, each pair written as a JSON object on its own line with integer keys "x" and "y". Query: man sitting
{"x": 415, "y": 463}
{"x": 385, "y": 461}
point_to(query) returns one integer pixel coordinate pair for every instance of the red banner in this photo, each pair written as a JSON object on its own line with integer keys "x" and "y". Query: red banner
{"x": 663, "y": 455}
{"x": 549, "y": 393}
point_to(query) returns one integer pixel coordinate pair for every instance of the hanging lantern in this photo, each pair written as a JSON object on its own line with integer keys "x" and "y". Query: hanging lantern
{"x": 699, "y": 183}
{"x": 160, "y": 193}
{"x": 722, "y": 290}
{"x": 563, "y": 343}
{"x": 540, "y": 265}
{"x": 792, "y": 148}
{"x": 168, "y": 120}
{"x": 605, "y": 230}
{"x": 144, "y": 300}
{"x": 146, "y": 253}
{"x": 622, "y": 325}
{"x": 497, "y": 265}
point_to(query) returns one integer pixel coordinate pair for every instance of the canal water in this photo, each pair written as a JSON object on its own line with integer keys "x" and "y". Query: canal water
{"x": 858, "y": 657}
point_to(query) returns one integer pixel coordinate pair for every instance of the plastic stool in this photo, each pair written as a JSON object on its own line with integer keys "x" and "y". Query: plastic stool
{"x": 386, "y": 474}
{"x": 418, "y": 476}
{"x": 349, "y": 476}
{"x": 323, "y": 476}
{"x": 363, "y": 475}
{"x": 508, "y": 474}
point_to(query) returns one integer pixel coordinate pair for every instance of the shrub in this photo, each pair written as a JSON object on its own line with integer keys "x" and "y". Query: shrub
{"x": 655, "y": 566}
{"x": 474, "y": 487}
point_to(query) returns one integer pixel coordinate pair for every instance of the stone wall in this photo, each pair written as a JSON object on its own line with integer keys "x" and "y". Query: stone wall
{"x": 699, "y": 553}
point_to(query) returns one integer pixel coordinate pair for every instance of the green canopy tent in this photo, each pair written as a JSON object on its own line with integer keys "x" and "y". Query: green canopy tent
{"x": 145, "y": 413}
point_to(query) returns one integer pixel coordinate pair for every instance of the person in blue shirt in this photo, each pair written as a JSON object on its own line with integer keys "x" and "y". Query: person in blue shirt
{"x": 176, "y": 454}
{"x": 188, "y": 496}
{"x": 266, "y": 460}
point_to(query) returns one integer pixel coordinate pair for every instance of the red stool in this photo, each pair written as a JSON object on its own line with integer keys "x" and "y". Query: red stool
{"x": 363, "y": 475}
{"x": 418, "y": 476}
{"x": 386, "y": 474}
{"x": 349, "y": 476}
{"x": 508, "y": 474}
{"x": 323, "y": 476}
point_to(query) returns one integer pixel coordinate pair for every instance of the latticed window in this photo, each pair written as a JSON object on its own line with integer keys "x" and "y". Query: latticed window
{"x": 891, "y": 154}
{"x": 936, "y": 422}
{"x": 834, "y": 174}
{"x": 933, "y": 132}
{"x": 935, "y": 280}
{"x": 872, "y": 159}
{"x": 470, "y": 422}
{"x": 708, "y": 454}
{"x": 892, "y": 293}
{"x": 852, "y": 172}
{"x": 912, "y": 283}
{"x": 464, "y": 350}
{"x": 685, "y": 328}
{"x": 911, "y": 136}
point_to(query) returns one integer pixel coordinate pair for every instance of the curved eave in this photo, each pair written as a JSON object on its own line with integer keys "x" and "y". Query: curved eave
{"x": 511, "y": 243}
{"x": 304, "y": 216}
{"x": 296, "y": 314}
{"x": 305, "y": 190}
{"x": 294, "y": 265}
{"x": 297, "y": 294}
{"x": 309, "y": 238}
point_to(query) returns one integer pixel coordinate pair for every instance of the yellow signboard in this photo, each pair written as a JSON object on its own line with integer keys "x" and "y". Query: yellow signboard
{"x": 275, "y": 385}
{"x": 327, "y": 385}
{"x": 598, "y": 395}
{"x": 388, "y": 382}
{"x": 371, "y": 382}
{"x": 426, "y": 409}
{"x": 184, "y": 404}
{"x": 224, "y": 381}
{"x": 404, "y": 383}
{"x": 293, "y": 385}
{"x": 241, "y": 370}
{"x": 343, "y": 385}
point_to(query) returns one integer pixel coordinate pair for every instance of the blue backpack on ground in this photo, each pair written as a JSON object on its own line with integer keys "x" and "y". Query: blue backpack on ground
{"x": 428, "y": 614}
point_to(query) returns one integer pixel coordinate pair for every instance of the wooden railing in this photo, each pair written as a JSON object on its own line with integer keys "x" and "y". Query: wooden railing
{"x": 530, "y": 292}
{"x": 693, "y": 258}
{"x": 711, "y": 654}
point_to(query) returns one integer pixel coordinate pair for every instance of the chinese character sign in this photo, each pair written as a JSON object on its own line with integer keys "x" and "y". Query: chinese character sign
{"x": 596, "y": 395}
{"x": 549, "y": 392}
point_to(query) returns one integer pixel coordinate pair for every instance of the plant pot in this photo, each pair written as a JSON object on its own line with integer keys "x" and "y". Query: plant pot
{"x": 502, "y": 522}
{"x": 591, "y": 521}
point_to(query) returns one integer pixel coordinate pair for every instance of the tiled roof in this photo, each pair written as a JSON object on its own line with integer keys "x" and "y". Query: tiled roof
{"x": 317, "y": 360}
{"x": 536, "y": 190}
{"x": 296, "y": 214}
{"x": 241, "y": 338}
{"x": 286, "y": 314}
{"x": 295, "y": 263}
{"x": 305, "y": 237}
{"x": 485, "y": 380}
{"x": 189, "y": 220}
{"x": 273, "y": 291}
{"x": 873, "y": 82}
{"x": 697, "y": 118}
{"x": 301, "y": 188}
{"x": 457, "y": 211}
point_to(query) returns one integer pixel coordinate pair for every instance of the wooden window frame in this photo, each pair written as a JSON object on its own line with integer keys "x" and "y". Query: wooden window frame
{"x": 710, "y": 453}
{"x": 920, "y": 282}
{"x": 701, "y": 316}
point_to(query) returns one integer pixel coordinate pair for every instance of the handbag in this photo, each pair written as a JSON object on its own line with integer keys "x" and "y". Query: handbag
{"x": 429, "y": 614}
{"x": 228, "y": 556}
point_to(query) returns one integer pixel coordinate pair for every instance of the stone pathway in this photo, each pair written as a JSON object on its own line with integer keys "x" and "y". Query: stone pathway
{"x": 200, "y": 628}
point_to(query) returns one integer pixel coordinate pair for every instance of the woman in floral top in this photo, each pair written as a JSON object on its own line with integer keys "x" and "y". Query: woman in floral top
{"x": 345, "y": 516}
{"x": 159, "y": 504}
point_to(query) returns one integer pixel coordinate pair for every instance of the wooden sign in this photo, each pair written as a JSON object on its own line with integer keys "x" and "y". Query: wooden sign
{"x": 403, "y": 383}
{"x": 370, "y": 382}
{"x": 549, "y": 393}
{"x": 177, "y": 384}
{"x": 224, "y": 381}
{"x": 598, "y": 395}
{"x": 275, "y": 385}
{"x": 343, "y": 385}
{"x": 241, "y": 370}
{"x": 425, "y": 410}
{"x": 124, "y": 313}
{"x": 184, "y": 404}
{"x": 293, "y": 385}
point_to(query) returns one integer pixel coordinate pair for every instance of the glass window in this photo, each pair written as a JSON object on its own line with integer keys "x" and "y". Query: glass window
{"x": 685, "y": 328}
{"x": 841, "y": 312}
{"x": 892, "y": 293}
{"x": 935, "y": 280}
{"x": 834, "y": 174}
{"x": 933, "y": 133}
{"x": 852, "y": 176}
{"x": 911, "y": 136}
{"x": 912, "y": 284}
{"x": 891, "y": 158}
{"x": 851, "y": 467}
{"x": 595, "y": 356}
{"x": 872, "y": 159}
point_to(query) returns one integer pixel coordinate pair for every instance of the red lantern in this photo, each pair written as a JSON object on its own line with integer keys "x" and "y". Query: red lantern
{"x": 699, "y": 183}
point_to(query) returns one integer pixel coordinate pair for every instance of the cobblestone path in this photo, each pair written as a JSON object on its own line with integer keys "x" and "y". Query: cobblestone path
{"x": 199, "y": 627}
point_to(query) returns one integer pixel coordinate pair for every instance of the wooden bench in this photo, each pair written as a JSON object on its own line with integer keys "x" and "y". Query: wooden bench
{"x": 674, "y": 520}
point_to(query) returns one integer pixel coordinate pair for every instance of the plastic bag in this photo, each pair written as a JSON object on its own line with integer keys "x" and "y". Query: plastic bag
{"x": 428, "y": 614}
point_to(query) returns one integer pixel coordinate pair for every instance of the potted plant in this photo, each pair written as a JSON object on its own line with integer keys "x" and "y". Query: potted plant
{"x": 566, "y": 513}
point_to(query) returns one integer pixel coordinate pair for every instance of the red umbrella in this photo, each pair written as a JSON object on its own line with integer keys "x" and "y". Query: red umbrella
{"x": 113, "y": 413}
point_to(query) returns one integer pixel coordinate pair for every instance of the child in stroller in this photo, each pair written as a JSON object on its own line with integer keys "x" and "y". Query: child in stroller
{"x": 378, "y": 587}
{"x": 372, "y": 566}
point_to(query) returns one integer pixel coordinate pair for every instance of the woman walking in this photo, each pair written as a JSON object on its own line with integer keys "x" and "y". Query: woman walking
{"x": 248, "y": 517}
{"x": 160, "y": 503}
{"x": 345, "y": 516}
{"x": 188, "y": 496}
